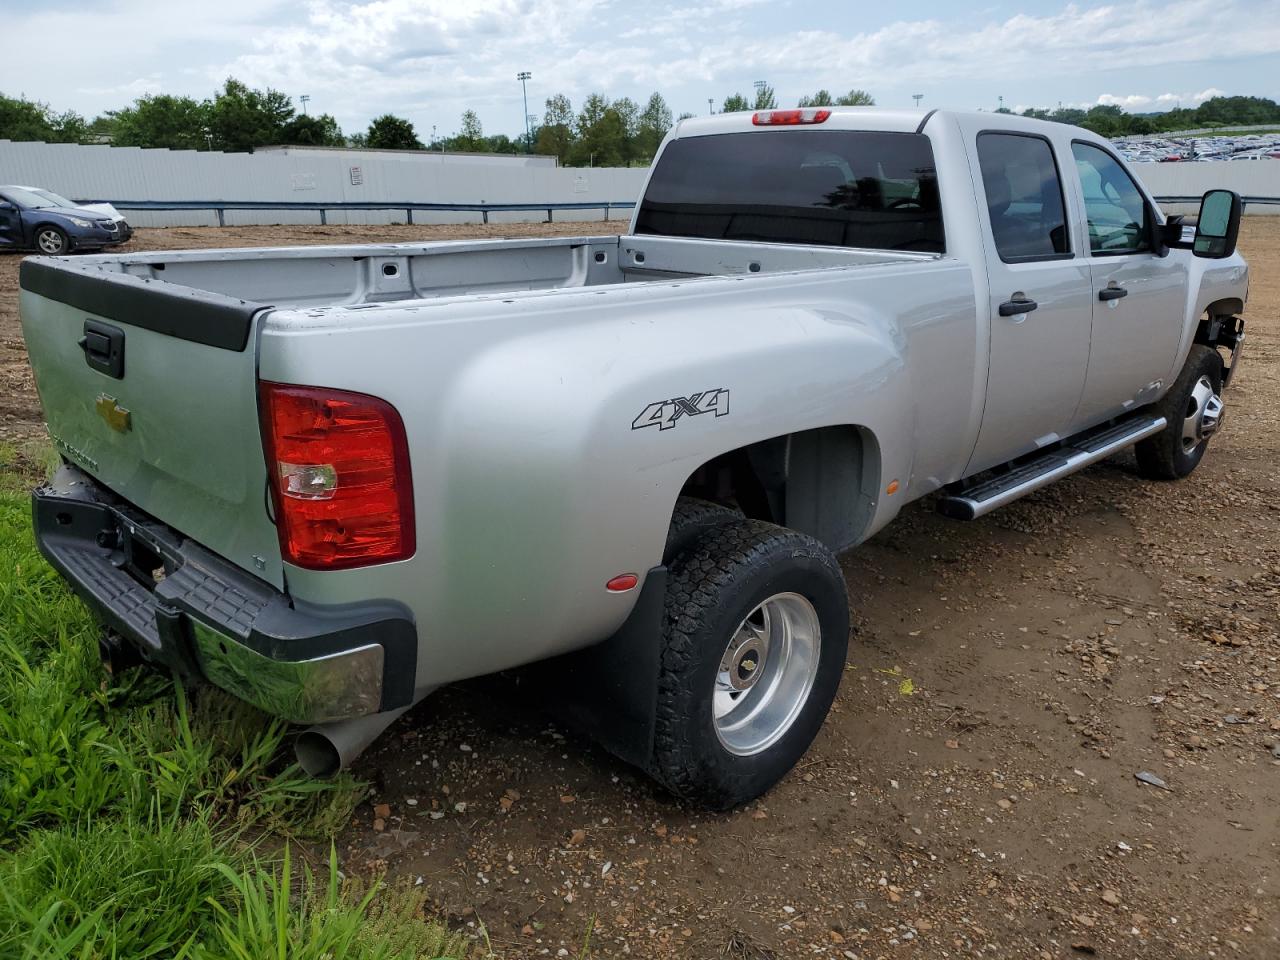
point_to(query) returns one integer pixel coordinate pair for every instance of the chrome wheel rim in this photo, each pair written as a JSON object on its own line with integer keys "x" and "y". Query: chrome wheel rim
{"x": 49, "y": 241}
{"x": 766, "y": 674}
{"x": 1203, "y": 416}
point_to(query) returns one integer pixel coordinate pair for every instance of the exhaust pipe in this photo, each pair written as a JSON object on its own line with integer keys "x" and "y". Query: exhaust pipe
{"x": 326, "y": 748}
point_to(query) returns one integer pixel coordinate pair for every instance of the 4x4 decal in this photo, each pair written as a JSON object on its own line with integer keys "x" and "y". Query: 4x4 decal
{"x": 665, "y": 413}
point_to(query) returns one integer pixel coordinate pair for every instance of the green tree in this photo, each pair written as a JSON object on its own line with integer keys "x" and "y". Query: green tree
{"x": 22, "y": 119}
{"x": 820, "y": 99}
{"x": 471, "y": 138}
{"x": 242, "y": 118}
{"x": 555, "y": 136}
{"x": 601, "y": 135}
{"x": 734, "y": 103}
{"x": 501, "y": 143}
{"x": 179, "y": 123}
{"x": 320, "y": 130}
{"x": 765, "y": 100}
{"x": 1106, "y": 120}
{"x": 856, "y": 98}
{"x": 629, "y": 114}
{"x": 389, "y": 132}
{"x": 652, "y": 126}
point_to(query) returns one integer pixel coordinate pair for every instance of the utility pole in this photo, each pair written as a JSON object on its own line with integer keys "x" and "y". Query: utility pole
{"x": 711, "y": 106}
{"x": 917, "y": 97}
{"x": 1001, "y": 99}
{"x": 524, "y": 76}
{"x": 304, "y": 98}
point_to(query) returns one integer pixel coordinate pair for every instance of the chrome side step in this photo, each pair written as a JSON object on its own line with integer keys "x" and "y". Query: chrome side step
{"x": 1075, "y": 454}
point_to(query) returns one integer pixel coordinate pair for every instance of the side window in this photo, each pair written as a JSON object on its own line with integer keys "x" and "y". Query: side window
{"x": 1024, "y": 197}
{"x": 1119, "y": 218}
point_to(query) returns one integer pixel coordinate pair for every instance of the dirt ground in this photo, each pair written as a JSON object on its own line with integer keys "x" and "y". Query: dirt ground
{"x": 973, "y": 792}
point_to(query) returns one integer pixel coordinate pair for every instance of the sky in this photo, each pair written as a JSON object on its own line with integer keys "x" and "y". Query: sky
{"x": 429, "y": 60}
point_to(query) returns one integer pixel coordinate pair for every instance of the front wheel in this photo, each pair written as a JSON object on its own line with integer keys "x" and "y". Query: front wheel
{"x": 52, "y": 241}
{"x": 756, "y": 633}
{"x": 1194, "y": 409}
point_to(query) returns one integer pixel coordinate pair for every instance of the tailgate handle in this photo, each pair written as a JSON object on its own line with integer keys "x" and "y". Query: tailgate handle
{"x": 103, "y": 347}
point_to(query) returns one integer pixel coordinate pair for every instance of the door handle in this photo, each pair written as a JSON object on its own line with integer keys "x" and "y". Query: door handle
{"x": 1011, "y": 308}
{"x": 1112, "y": 293}
{"x": 103, "y": 346}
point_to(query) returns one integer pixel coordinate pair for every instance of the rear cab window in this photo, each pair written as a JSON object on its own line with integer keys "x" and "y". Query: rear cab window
{"x": 842, "y": 188}
{"x": 1024, "y": 197}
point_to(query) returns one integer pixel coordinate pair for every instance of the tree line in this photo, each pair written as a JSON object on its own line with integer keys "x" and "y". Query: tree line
{"x": 602, "y": 132}
{"x": 1109, "y": 120}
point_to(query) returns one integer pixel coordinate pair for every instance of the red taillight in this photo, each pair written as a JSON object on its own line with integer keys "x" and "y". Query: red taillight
{"x": 784, "y": 118}
{"x": 338, "y": 465}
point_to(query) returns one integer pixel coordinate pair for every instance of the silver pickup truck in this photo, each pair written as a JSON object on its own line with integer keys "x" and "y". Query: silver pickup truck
{"x": 331, "y": 479}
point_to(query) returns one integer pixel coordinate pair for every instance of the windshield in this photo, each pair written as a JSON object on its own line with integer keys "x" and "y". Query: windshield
{"x": 35, "y": 199}
{"x": 54, "y": 199}
{"x": 848, "y": 188}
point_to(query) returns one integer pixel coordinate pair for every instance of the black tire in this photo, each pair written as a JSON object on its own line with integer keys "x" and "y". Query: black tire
{"x": 713, "y": 587}
{"x": 690, "y": 520}
{"x": 47, "y": 236}
{"x": 1164, "y": 456}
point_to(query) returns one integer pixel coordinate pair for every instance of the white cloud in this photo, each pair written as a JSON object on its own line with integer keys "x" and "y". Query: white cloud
{"x": 431, "y": 59}
{"x": 1141, "y": 102}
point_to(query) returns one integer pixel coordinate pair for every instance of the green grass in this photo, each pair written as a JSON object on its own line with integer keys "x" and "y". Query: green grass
{"x": 124, "y": 805}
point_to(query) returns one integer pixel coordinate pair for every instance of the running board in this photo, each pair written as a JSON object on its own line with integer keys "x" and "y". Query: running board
{"x": 1075, "y": 454}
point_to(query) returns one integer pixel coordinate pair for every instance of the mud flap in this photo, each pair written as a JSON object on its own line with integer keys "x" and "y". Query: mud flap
{"x": 609, "y": 692}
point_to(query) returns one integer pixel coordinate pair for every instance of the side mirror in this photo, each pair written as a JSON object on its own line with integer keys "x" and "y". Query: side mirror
{"x": 1218, "y": 225}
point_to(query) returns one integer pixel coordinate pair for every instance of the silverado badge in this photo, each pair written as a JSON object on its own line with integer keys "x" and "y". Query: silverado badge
{"x": 116, "y": 416}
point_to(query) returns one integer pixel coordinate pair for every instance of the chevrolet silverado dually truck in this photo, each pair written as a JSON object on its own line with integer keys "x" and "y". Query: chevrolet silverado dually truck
{"x": 330, "y": 479}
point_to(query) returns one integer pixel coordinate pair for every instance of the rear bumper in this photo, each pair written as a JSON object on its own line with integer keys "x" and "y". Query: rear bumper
{"x": 203, "y": 617}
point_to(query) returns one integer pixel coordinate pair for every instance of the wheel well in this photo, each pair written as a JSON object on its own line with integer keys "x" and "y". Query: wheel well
{"x": 823, "y": 482}
{"x": 1221, "y": 326}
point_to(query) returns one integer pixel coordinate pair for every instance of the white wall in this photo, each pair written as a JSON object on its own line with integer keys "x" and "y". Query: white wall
{"x": 130, "y": 173}
{"x": 1249, "y": 178}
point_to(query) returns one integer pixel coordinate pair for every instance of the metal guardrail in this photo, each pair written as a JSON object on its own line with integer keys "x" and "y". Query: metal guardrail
{"x": 1244, "y": 201}
{"x": 220, "y": 207}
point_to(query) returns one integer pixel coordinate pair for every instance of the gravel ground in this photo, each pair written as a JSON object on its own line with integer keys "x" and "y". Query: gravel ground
{"x": 973, "y": 792}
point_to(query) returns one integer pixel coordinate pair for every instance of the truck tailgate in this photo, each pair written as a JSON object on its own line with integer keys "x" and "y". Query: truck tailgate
{"x": 151, "y": 388}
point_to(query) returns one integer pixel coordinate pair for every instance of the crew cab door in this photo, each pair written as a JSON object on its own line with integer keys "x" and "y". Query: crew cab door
{"x": 1040, "y": 297}
{"x": 1138, "y": 298}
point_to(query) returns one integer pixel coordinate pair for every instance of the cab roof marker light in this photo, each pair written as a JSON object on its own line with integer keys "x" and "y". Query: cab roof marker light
{"x": 787, "y": 118}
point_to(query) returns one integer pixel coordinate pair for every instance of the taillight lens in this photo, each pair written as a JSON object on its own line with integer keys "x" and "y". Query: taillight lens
{"x": 338, "y": 465}
{"x": 786, "y": 118}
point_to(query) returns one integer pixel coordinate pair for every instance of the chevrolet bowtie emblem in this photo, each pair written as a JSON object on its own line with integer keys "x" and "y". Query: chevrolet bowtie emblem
{"x": 116, "y": 416}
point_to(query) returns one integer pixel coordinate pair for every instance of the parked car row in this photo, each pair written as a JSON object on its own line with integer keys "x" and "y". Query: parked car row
{"x": 1250, "y": 146}
{"x": 32, "y": 218}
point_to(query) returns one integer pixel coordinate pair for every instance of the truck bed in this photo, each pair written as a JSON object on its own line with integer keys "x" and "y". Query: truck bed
{"x": 289, "y": 277}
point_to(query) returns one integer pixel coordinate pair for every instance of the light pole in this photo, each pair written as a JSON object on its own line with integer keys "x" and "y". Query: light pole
{"x": 524, "y": 76}
{"x": 917, "y": 97}
{"x": 759, "y": 85}
{"x": 304, "y": 98}
{"x": 711, "y": 106}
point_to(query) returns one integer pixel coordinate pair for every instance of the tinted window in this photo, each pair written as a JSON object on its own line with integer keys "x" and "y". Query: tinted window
{"x": 28, "y": 198}
{"x": 1024, "y": 196}
{"x": 1117, "y": 212}
{"x": 830, "y": 187}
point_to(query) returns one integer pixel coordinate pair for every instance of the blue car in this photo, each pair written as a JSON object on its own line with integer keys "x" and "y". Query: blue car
{"x": 35, "y": 219}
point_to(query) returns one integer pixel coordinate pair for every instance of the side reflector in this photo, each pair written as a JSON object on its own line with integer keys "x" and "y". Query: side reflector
{"x": 784, "y": 118}
{"x": 622, "y": 583}
{"x": 338, "y": 466}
